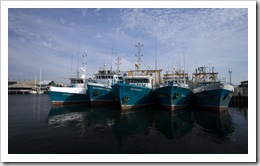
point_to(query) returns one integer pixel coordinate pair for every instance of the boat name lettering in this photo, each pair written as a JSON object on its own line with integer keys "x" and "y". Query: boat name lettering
{"x": 136, "y": 89}
{"x": 100, "y": 88}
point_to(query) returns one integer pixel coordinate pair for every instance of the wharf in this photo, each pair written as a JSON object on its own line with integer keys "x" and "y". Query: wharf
{"x": 18, "y": 92}
{"x": 24, "y": 87}
{"x": 239, "y": 101}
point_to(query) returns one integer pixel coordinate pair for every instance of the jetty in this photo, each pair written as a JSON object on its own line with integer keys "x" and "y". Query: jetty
{"x": 24, "y": 87}
{"x": 240, "y": 97}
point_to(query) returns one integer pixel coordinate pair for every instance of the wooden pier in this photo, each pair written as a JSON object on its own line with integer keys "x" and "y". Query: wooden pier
{"x": 18, "y": 92}
{"x": 239, "y": 101}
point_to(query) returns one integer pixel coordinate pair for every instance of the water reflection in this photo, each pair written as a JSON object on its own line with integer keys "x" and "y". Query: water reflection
{"x": 66, "y": 115}
{"x": 36, "y": 106}
{"x": 174, "y": 124}
{"x": 138, "y": 123}
{"x": 102, "y": 120}
{"x": 71, "y": 116}
{"x": 240, "y": 111}
{"x": 80, "y": 129}
{"x": 126, "y": 127}
{"x": 215, "y": 125}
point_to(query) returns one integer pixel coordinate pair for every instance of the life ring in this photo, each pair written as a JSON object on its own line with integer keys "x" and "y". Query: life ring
{"x": 95, "y": 93}
{"x": 175, "y": 96}
{"x": 125, "y": 99}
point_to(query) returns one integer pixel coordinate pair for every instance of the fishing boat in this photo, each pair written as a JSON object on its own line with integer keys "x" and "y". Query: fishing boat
{"x": 175, "y": 92}
{"x": 74, "y": 94}
{"x": 137, "y": 90}
{"x": 209, "y": 92}
{"x": 100, "y": 91}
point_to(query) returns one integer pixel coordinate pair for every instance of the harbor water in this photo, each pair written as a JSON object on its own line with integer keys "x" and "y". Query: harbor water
{"x": 37, "y": 127}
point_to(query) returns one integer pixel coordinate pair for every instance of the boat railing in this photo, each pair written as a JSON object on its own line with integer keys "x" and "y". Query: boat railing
{"x": 221, "y": 79}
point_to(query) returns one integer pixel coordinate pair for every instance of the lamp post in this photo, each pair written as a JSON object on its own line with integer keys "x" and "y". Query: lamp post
{"x": 230, "y": 73}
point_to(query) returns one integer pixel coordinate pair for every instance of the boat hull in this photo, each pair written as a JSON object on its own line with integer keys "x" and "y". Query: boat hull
{"x": 101, "y": 95}
{"x": 133, "y": 96}
{"x": 173, "y": 97}
{"x": 60, "y": 97}
{"x": 215, "y": 97}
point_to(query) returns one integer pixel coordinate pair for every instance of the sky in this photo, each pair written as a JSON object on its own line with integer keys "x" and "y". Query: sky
{"x": 53, "y": 40}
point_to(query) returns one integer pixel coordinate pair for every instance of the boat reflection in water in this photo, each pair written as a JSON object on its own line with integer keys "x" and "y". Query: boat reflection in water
{"x": 86, "y": 130}
{"x": 138, "y": 123}
{"x": 214, "y": 125}
{"x": 67, "y": 114}
{"x": 175, "y": 124}
{"x": 92, "y": 118}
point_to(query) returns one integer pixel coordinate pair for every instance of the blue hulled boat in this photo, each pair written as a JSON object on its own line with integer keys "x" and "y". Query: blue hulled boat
{"x": 209, "y": 92}
{"x": 74, "y": 94}
{"x": 138, "y": 89}
{"x": 174, "y": 93}
{"x": 136, "y": 92}
{"x": 100, "y": 91}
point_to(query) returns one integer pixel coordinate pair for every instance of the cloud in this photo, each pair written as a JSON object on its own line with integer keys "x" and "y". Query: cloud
{"x": 197, "y": 24}
{"x": 16, "y": 73}
{"x": 62, "y": 20}
{"x": 83, "y": 12}
{"x": 209, "y": 35}
{"x": 39, "y": 21}
{"x": 98, "y": 35}
{"x": 214, "y": 36}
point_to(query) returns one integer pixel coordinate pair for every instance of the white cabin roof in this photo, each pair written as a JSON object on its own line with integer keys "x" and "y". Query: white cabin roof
{"x": 138, "y": 77}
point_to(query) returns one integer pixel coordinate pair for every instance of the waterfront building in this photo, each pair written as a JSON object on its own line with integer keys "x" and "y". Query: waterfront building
{"x": 24, "y": 87}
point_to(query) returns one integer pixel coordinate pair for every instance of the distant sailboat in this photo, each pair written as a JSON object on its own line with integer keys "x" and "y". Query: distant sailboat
{"x": 40, "y": 91}
{"x": 37, "y": 90}
{"x": 34, "y": 91}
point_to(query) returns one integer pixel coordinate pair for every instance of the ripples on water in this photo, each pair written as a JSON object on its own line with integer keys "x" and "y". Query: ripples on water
{"x": 36, "y": 127}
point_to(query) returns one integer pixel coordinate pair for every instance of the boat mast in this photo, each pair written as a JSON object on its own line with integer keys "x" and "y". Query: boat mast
{"x": 72, "y": 62}
{"x": 85, "y": 65}
{"x": 139, "y": 60}
{"x": 230, "y": 73}
{"x": 35, "y": 81}
{"x": 117, "y": 65}
{"x": 156, "y": 74}
{"x": 40, "y": 78}
{"x": 156, "y": 56}
{"x": 183, "y": 56}
{"x": 78, "y": 64}
{"x": 112, "y": 54}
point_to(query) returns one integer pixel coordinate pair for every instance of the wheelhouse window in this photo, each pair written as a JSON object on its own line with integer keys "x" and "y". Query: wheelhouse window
{"x": 135, "y": 80}
{"x": 75, "y": 81}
